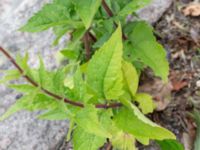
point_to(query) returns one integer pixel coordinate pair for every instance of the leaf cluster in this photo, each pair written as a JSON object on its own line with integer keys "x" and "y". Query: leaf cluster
{"x": 119, "y": 51}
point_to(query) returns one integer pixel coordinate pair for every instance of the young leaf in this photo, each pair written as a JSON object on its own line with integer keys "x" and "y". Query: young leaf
{"x": 86, "y": 141}
{"x": 58, "y": 82}
{"x": 104, "y": 73}
{"x": 20, "y": 104}
{"x": 25, "y": 88}
{"x": 79, "y": 85}
{"x": 59, "y": 31}
{"x": 145, "y": 102}
{"x": 134, "y": 122}
{"x": 124, "y": 141}
{"x": 170, "y": 145}
{"x": 88, "y": 120}
{"x": 10, "y": 75}
{"x": 87, "y": 10}
{"x": 148, "y": 50}
{"x": 55, "y": 114}
{"x": 50, "y": 15}
{"x": 130, "y": 77}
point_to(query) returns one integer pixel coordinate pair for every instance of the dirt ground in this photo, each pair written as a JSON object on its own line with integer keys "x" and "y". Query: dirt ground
{"x": 179, "y": 31}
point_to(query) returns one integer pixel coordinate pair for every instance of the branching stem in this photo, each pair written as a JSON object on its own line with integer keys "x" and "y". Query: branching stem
{"x": 110, "y": 14}
{"x": 53, "y": 95}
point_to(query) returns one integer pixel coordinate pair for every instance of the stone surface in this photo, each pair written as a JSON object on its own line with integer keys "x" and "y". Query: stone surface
{"x": 23, "y": 131}
{"x": 155, "y": 10}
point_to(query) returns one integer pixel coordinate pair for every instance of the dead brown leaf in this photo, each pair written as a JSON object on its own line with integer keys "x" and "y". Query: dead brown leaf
{"x": 161, "y": 92}
{"x": 178, "y": 85}
{"x": 192, "y": 10}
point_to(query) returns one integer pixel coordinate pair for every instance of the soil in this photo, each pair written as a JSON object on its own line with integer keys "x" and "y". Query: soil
{"x": 180, "y": 35}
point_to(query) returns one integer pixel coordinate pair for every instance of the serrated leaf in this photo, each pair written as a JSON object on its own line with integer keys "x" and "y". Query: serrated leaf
{"x": 170, "y": 145}
{"x": 25, "y": 88}
{"x": 124, "y": 141}
{"x": 10, "y": 75}
{"x": 58, "y": 82}
{"x": 86, "y": 141}
{"x": 79, "y": 85}
{"x": 132, "y": 121}
{"x": 130, "y": 77}
{"x": 55, "y": 114}
{"x": 151, "y": 53}
{"x": 87, "y": 10}
{"x": 147, "y": 50}
{"x": 88, "y": 120}
{"x": 42, "y": 102}
{"x": 104, "y": 73}
{"x": 50, "y": 15}
{"x": 70, "y": 54}
{"x": 59, "y": 31}
{"x": 20, "y": 104}
{"x": 145, "y": 102}
{"x": 133, "y": 6}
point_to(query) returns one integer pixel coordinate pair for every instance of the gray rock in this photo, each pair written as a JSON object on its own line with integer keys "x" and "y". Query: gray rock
{"x": 23, "y": 131}
{"x": 155, "y": 10}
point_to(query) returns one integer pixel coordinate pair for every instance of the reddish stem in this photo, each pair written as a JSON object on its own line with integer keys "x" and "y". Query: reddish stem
{"x": 110, "y": 14}
{"x": 86, "y": 41}
{"x": 58, "y": 97}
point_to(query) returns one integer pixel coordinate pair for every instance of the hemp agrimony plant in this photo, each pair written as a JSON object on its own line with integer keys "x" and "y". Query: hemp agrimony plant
{"x": 97, "y": 90}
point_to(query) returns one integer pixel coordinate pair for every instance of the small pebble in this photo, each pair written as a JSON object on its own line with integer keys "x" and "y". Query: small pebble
{"x": 198, "y": 83}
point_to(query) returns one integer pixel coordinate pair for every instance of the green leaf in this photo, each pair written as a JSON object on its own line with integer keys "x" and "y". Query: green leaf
{"x": 88, "y": 120}
{"x": 133, "y": 6}
{"x": 197, "y": 140}
{"x": 79, "y": 85}
{"x": 50, "y": 15}
{"x": 58, "y": 82}
{"x": 55, "y": 114}
{"x": 170, "y": 145}
{"x": 70, "y": 54}
{"x": 132, "y": 121}
{"x": 25, "y": 88}
{"x": 148, "y": 50}
{"x": 87, "y": 10}
{"x": 10, "y": 75}
{"x": 59, "y": 31}
{"x": 124, "y": 141}
{"x": 20, "y": 104}
{"x": 130, "y": 77}
{"x": 104, "y": 73}
{"x": 145, "y": 102}
{"x": 86, "y": 141}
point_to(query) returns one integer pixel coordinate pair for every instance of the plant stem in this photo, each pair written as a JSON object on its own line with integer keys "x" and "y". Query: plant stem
{"x": 108, "y": 146}
{"x": 110, "y": 14}
{"x": 92, "y": 37}
{"x": 86, "y": 41}
{"x": 107, "y": 9}
{"x": 53, "y": 95}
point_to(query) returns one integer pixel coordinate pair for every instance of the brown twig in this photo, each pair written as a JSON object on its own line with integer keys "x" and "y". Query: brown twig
{"x": 110, "y": 14}
{"x": 94, "y": 39}
{"x": 108, "y": 146}
{"x": 86, "y": 41}
{"x": 78, "y": 104}
{"x": 107, "y": 9}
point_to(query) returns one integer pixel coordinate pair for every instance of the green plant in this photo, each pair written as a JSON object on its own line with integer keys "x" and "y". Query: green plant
{"x": 97, "y": 93}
